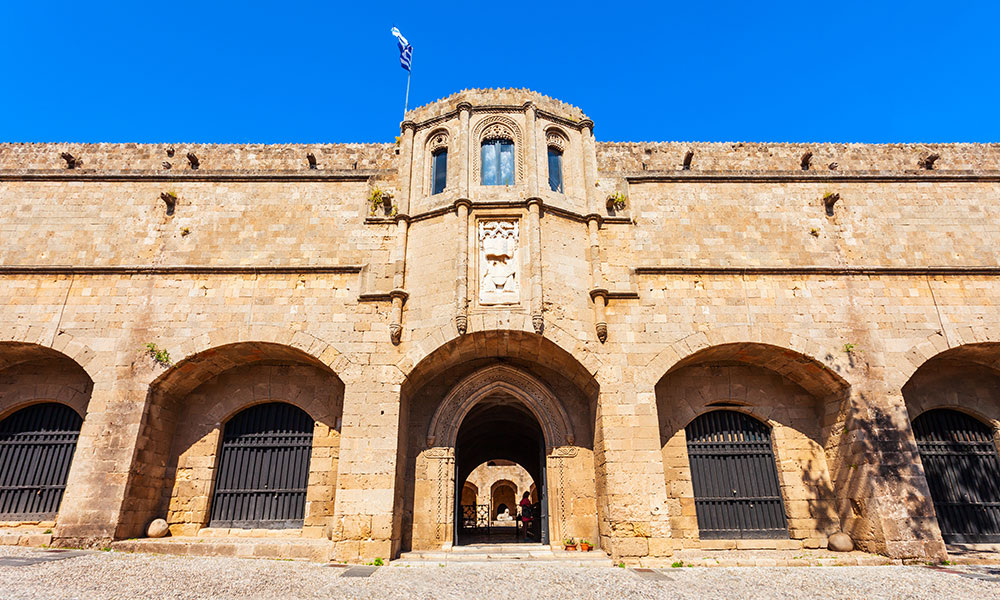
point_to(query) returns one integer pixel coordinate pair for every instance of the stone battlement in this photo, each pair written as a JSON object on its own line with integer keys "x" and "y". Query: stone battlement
{"x": 211, "y": 157}
{"x": 495, "y": 97}
{"x": 612, "y": 157}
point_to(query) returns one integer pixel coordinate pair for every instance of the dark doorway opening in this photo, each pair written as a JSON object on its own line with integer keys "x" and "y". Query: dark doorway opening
{"x": 36, "y": 448}
{"x": 263, "y": 468}
{"x": 500, "y": 428}
{"x": 963, "y": 473}
{"x": 735, "y": 479}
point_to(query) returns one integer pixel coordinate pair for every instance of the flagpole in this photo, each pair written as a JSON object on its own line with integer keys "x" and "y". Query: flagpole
{"x": 406, "y": 104}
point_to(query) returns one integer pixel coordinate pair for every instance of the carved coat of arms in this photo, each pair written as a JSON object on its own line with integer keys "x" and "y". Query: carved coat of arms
{"x": 499, "y": 266}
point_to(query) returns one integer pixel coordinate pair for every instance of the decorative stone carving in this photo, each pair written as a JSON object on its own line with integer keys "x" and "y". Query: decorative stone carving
{"x": 499, "y": 262}
{"x": 555, "y": 139}
{"x": 602, "y": 332}
{"x": 461, "y": 323}
{"x": 437, "y": 140}
{"x": 535, "y": 395}
{"x": 538, "y": 323}
{"x": 498, "y": 127}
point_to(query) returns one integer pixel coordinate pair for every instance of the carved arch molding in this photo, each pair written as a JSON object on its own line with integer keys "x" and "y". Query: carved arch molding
{"x": 494, "y": 127}
{"x": 535, "y": 395}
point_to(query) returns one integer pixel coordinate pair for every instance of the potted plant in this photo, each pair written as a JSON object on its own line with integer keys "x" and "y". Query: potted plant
{"x": 585, "y": 546}
{"x": 569, "y": 544}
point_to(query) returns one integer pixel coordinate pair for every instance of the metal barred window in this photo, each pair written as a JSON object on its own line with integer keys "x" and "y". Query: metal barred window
{"x": 963, "y": 473}
{"x": 263, "y": 468}
{"x": 36, "y": 449}
{"x": 735, "y": 479}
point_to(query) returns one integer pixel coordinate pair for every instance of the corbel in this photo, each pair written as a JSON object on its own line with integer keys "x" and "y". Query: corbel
{"x": 535, "y": 233}
{"x": 398, "y": 297}
{"x": 462, "y": 206}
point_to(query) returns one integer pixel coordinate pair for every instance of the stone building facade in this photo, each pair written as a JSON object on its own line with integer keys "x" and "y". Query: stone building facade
{"x": 576, "y": 323}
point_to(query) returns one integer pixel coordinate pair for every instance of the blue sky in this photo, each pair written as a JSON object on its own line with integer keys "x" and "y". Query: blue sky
{"x": 283, "y": 72}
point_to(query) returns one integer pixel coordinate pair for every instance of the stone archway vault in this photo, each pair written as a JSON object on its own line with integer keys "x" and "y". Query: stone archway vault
{"x": 536, "y": 396}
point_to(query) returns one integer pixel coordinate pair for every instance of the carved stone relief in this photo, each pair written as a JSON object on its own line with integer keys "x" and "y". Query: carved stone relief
{"x": 499, "y": 262}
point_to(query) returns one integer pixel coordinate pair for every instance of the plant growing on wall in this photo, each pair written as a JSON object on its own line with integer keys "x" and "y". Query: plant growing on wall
{"x": 379, "y": 198}
{"x": 617, "y": 201}
{"x": 159, "y": 355}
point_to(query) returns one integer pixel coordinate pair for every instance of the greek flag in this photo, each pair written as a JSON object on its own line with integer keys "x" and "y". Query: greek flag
{"x": 405, "y": 49}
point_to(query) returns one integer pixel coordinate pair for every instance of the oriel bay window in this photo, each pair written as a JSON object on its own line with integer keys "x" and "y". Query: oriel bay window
{"x": 498, "y": 162}
{"x": 439, "y": 170}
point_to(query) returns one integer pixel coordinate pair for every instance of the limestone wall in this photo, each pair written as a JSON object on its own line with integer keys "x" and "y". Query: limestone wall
{"x": 265, "y": 259}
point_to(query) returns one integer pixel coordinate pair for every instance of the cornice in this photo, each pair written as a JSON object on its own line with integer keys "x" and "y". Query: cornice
{"x": 820, "y": 270}
{"x": 176, "y": 269}
{"x": 808, "y": 176}
{"x": 179, "y": 176}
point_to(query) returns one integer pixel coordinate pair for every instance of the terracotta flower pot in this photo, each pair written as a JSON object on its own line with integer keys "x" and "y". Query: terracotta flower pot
{"x": 570, "y": 548}
{"x": 584, "y": 547}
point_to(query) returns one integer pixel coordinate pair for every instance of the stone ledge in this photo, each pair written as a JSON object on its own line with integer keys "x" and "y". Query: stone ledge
{"x": 292, "y": 548}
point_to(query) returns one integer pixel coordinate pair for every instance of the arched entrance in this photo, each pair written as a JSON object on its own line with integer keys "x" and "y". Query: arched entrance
{"x": 500, "y": 426}
{"x": 508, "y": 397}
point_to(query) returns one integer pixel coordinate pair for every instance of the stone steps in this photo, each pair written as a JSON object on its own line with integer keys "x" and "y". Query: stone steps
{"x": 318, "y": 550}
{"x": 503, "y": 554}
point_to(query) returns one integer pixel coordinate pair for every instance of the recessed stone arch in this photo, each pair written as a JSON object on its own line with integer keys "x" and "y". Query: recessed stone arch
{"x": 800, "y": 399}
{"x": 457, "y": 400}
{"x": 34, "y": 374}
{"x": 534, "y": 394}
{"x": 188, "y": 406}
{"x": 494, "y": 127}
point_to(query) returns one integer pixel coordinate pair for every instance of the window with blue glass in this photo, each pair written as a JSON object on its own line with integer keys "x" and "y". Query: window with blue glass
{"x": 498, "y": 162}
{"x": 439, "y": 170}
{"x": 555, "y": 169}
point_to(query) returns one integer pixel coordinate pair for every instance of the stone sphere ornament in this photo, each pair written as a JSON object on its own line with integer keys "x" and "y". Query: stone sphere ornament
{"x": 157, "y": 529}
{"x": 840, "y": 542}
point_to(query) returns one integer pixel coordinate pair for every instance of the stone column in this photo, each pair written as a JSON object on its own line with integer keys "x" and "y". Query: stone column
{"x": 535, "y": 240}
{"x": 598, "y": 293}
{"x": 530, "y": 148}
{"x": 406, "y": 157}
{"x": 366, "y": 478}
{"x": 398, "y": 293}
{"x": 464, "y": 157}
{"x": 590, "y": 166}
{"x": 462, "y": 276}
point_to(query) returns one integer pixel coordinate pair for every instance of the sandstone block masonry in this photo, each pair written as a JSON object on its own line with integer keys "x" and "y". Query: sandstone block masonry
{"x": 832, "y": 292}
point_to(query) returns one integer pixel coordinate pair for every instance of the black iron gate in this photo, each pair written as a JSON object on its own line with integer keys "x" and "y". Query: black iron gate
{"x": 963, "y": 473}
{"x": 263, "y": 468}
{"x": 36, "y": 449}
{"x": 736, "y": 491}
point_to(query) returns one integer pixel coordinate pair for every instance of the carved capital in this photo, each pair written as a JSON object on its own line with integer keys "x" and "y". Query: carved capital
{"x": 602, "y": 332}
{"x": 587, "y": 124}
{"x": 599, "y": 292}
{"x": 461, "y": 323}
{"x": 535, "y": 200}
{"x": 464, "y": 106}
{"x": 395, "y": 333}
{"x": 399, "y": 293}
{"x": 463, "y": 202}
{"x": 595, "y": 217}
{"x": 407, "y": 125}
{"x": 538, "y": 323}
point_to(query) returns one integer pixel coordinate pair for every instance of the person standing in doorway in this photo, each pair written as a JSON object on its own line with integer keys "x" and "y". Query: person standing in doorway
{"x": 526, "y": 512}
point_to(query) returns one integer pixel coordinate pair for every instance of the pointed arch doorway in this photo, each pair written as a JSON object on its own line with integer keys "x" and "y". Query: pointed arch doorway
{"x": 500, "y": 427}
{"x": 501, "y": 413}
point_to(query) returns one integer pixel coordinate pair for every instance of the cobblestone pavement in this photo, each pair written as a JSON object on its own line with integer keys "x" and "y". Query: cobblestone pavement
{"x": 34, "y": 574}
